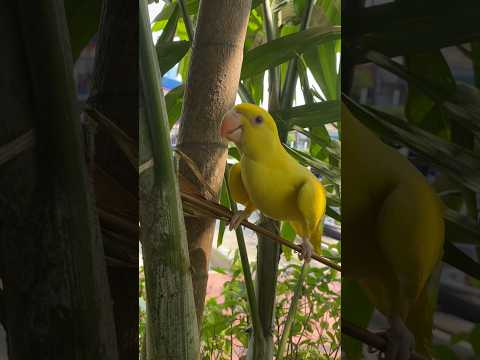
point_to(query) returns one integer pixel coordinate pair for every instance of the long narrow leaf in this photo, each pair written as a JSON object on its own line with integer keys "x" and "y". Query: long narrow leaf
{"x": 306, "y": 159}
{"x": 174, "y": 102}
{"x": 170, "y": 53}
{"x": 467, "y": 114}
{"x": 283, "y": 49}
{"x": 311, "y": 115}
{"x": 460, "y": 164}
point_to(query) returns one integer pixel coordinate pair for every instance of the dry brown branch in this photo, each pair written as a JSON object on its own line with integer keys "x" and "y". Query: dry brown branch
{"x": 220, "y": 212}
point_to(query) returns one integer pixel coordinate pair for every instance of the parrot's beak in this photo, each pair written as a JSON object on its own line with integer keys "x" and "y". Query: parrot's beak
{"x": 231, "y": 127}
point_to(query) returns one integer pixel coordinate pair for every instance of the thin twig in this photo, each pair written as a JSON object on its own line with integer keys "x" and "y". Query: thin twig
{"x": 17, "y": 146}
{"x": 221, "y": 212}
{"x": 126, "y": 144}
{"x": 370, "y": 338}
{"x": 196, "y": 171}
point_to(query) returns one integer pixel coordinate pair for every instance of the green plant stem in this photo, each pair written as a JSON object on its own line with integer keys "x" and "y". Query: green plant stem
{"x": 252, "y": 299}
{"x": 291, "y": 312}
{"x": 273, "y": 74}
{"x": 171, "y": 326}
{"x": 244, "y": 93}
{"x": 292, "y": 71}
{"x": 187, "y": 20}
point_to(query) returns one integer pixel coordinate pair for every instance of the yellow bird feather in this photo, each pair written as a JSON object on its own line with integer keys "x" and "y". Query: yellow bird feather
{"x": 267, "y": 178}
{"x": 393, "y": 233}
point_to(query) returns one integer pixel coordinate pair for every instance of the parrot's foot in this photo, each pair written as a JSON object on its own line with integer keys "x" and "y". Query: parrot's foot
{"x": 237, "y": 219}
{"x": 307, "y": 250}
{"x": 400, "y": 341}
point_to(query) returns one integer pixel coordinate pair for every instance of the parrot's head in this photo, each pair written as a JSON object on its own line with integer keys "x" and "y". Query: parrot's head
{"x": 251, "y": 128}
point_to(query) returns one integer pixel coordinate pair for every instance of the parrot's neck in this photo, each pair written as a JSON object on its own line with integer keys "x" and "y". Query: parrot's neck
{"x": 266, "y": 151}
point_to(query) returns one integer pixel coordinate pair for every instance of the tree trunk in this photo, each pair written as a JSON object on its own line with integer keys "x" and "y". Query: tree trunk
{"x": 56, "y": 295}
{"x": 115, "y": 94}
{"x": 211, "y": 90}
{"x": 171, "y": 331}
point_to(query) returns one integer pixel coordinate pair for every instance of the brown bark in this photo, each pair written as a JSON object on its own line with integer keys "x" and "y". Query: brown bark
{"x": 211, "y": 90}
{"x": 115, "y": 94}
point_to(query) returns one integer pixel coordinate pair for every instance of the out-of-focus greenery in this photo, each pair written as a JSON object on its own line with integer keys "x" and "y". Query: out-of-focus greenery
{"x": 315, "y": 333}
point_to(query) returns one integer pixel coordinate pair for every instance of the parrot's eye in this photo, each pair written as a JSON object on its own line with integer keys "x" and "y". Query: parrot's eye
{"x": 258, "y": 120}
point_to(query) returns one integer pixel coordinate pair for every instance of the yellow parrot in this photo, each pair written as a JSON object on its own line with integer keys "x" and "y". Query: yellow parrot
{"x": 267, "y": 178}
{"x": 392, "y": 236}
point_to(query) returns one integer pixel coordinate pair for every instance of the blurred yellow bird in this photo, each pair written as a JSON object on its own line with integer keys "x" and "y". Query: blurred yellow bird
{"x": 392, "y": 236}
{"x": 267, "y": 178}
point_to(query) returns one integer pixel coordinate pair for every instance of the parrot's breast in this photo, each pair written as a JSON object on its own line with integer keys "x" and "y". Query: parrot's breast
{"x": 272, "y": 189}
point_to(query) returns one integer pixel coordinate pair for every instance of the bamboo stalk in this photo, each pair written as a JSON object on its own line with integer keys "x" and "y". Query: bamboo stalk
{"x": 171, "y": 326}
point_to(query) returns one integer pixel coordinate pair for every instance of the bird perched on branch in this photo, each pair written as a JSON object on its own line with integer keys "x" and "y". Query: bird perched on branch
{"x": 267, "y": 178}
{"x": 393, "y": 234}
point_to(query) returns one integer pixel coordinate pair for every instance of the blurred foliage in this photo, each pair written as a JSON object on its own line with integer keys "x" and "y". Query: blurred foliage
{"x": 439, "y": 122}
{"x": 315, "y": 334}
{"x": 316, "y": 330}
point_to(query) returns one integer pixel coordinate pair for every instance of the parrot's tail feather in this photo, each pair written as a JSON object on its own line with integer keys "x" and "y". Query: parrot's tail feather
{"x": 420, "y": 318}
{"x": 316, "y": 239}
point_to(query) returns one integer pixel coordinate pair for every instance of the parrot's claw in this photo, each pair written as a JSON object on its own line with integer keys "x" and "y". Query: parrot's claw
{"x": 400, "y": 341}
{"x": 237, "y": 219}
{"x": 307, "y": 251}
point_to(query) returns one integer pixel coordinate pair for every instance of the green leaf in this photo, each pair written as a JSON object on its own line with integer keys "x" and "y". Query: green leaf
{"x": 322, "y": 62}
{"x": 459, "y": 163}
{"x": 283, "y": 49}
{"x": 467, "y": 114}
{"x": 420, "y": 108}
{"x": 174, "y": 102}
{"x": 184, "y": 65}
{"x": 312, "y": 115}
{"x": 333, "y": 214}
{"x": 476, "y": 62}
{"x": 357, "y": 309}
{"x": 457, "y": 258}
{"x": 192, "y": 8}
{"x": 234, "y": 153}
{"x": 288, "y": 233}
{"x": 475, "y": 339}
{"x": 254, "y": 86}
{"x": 320, "y": 166}
{"x": 168, "y": 32}
{"x": 444, "y": 352}
{"x": 170, "y": 53}
{"x": 83, "y": 18}
{"x": 331, "y": 9}
{"x": 460, "y": 228}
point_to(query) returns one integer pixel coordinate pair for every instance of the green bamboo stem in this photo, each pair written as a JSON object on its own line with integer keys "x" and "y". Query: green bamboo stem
{"x": 68, "y": 238}
{"x": 291, "y": 312}
{"x": 171, "y": 317}
{"x": 292, "y": 71}
{"x": 252, "y": 299}
{"x": 187, "y": 20}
